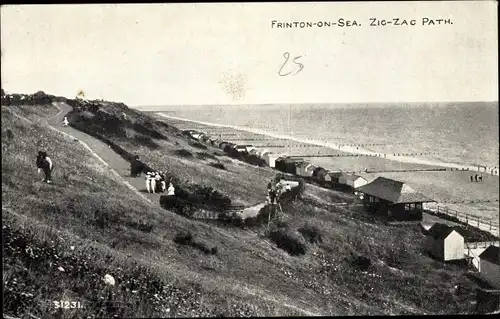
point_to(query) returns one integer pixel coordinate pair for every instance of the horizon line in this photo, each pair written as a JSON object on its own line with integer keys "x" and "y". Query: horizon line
{"x": 316, "y": 103}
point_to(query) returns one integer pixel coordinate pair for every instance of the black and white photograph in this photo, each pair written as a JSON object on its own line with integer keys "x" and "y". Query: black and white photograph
{"x": 250, "y": 159}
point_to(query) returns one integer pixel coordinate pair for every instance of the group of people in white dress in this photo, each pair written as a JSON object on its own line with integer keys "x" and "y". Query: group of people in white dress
{"x": 157, "y": 182}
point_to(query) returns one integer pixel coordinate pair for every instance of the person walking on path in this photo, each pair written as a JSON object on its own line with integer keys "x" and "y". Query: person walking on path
{"x": 43, "y": 162}
{"x": 65, "y": 122}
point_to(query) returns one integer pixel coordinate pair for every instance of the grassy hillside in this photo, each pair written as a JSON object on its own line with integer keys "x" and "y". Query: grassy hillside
{"x": 315, "y": 258}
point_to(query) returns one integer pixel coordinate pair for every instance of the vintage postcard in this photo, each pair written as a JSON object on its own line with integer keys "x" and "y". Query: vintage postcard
{"x": 250, "y": 159}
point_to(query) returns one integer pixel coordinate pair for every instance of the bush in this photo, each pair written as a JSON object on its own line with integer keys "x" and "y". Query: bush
{"x": 183, "y": 238}
{"x": 218, "y": 165}
{"x": 289, "y": 241}
{"x": 361, "y": 262}
{"x": 186, "y": 238}
{"x": 203, "y": 155}
{"x": 145, "y": 141}
{"x": 197, "y": 145}
{"x": 183, "y": 153}
{"x": 311, "y": 233}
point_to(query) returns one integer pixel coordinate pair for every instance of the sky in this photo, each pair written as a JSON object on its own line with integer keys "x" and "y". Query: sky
{"x": 229, "y": 53}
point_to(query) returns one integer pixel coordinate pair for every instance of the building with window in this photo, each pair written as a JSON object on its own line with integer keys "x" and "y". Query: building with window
{"x": 392, "y": 199}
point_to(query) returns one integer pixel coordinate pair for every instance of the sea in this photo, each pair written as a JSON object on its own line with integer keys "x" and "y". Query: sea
{"x": 464, "y": 133}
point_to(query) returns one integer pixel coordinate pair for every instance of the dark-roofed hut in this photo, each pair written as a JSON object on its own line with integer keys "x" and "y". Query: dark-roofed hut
{"x": 394, "y": 200}
{"x": 489, "y": 266}
{"x": 318, "y": 171}
{"x": 445, "y": 243}
{"x": 287, "y": 165}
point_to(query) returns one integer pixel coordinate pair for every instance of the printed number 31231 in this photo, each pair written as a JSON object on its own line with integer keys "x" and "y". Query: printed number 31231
{"x": 67, "y": 304}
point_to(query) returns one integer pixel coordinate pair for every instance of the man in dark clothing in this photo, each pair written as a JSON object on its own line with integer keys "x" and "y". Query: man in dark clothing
{"x": 475, "y": 177}
{"x": 271, "y": 190}
{"x": 471, "y": 178}
{"x": 43, "y": 162}
{"x": 136, "y": 167}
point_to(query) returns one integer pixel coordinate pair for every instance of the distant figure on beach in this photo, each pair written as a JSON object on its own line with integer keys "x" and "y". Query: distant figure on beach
{"x": 471, "y": 178}
{"x": 43, "y": 162}
{"x": 480, "y": 178}
{"x": 65, "y": 121}
{"x": 475, "y": 177}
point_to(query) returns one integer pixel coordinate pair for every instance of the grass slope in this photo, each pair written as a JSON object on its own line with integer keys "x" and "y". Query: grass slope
{"x": 351, "y": 265}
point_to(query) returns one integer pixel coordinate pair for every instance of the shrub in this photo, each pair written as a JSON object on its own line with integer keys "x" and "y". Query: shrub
{"x": 361, "y": 262}
{"x": 146, "y": 141}
{"x": 218, "y": 165}
{"x": 311, "y": 233}
{"x": 203, "y": 155}
{"x": 288, "y": 240}
{"x": 183, "y": 153}
{"x": 183, "y": 238}
{"x": 186, "y": 238}
{"x": 198, "y": 145}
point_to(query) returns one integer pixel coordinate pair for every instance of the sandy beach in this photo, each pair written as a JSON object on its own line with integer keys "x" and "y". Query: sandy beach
{"x": 339, "y": 147}
{"x": 451, "y": 188}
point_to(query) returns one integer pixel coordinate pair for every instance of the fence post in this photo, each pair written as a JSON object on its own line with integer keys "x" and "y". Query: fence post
{"x": 477, "y": 222}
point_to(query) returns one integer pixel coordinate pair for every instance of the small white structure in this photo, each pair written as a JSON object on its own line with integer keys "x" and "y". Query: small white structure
{"x": 270, "y": 159}
{"x": 263, "y": 153}
{"x": 445, "y": 243}
{"x": 352, "y": 180}
{"x": 196, "y": 135}
{"x": 300, "y": 168}
{"x": 489, "y": 266}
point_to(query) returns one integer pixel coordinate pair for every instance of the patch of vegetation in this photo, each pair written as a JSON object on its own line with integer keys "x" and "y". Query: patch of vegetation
{"x": 218, "y": 165}
{"x": 186, "y": 238}
{"x": 287, "y": 239}
{"x": 183, "y": 153}
{"x": 197, "y": 144}
{"x": 311, "y": 233}
{"x": 204, "y": 156}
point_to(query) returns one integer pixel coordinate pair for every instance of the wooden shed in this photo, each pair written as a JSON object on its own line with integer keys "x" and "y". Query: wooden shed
{"x": 352, "y": 181}
{"x": 489, "y": 266}
{"x": 445, "y": 243}
{"x": 394, "y": 200}
{"x": 271, "y": 158}
{"x": 300, "y": 168}
{"x": 318, "y": 171}
{"x": 309, "y": 170}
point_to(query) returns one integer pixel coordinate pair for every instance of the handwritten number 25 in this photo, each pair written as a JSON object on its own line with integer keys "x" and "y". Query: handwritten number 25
{"x": 287, "y": 57}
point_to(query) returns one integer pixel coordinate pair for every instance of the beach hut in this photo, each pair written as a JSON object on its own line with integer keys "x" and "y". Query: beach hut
{"x": 249, "y": 148}
{"x": 223, "y": 144}
{"x": 254, "y": 152}
{"x": 309, "y": 170}
{"x": 333, "y": 177}
{"x": 489, "y": 266}
{"x": 301, "y": 168}
{"x": 352, "y": 181}
{"x": 445, "y": 243}
{"x": 271, "y": 159}
{"x": 196, "y": 135}
{"x": 319, "y": 171}
{"x": 263, "y": 154}
{"x": 240, "y": 148}
{"x": 322, "y": 175}
{"x": 394, "y": 200}
{"x": 287, "y": 164}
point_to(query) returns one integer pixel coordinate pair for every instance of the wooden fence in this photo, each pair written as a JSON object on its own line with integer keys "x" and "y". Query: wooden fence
{"x": 473, "y": 220}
